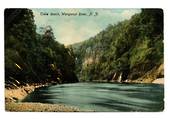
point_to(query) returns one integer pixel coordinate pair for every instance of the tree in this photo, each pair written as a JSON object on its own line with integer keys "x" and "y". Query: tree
{"x": 31, "y": 57}
{"x": 131, "y": 47}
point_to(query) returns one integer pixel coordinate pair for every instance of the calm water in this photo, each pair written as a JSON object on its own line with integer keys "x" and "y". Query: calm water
{"x": 102, "y": 96}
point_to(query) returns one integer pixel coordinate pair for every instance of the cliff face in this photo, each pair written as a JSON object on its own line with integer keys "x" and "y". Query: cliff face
{"x": 131, "y": 51}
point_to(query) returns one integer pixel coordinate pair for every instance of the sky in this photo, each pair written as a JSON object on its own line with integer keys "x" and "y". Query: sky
{"x": 76, "y": 25}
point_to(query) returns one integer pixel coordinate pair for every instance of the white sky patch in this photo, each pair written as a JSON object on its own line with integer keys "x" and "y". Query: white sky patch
{"x": 39, "y": 21}
{"x": 69, "y": 32}
{"x": 73, "y": 29}
{"x": 128, "y": 13}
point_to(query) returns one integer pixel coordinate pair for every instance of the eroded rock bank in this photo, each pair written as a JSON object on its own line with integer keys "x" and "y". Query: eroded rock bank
{"x": 156, "y": 75}
{"x": 19, "y": 93}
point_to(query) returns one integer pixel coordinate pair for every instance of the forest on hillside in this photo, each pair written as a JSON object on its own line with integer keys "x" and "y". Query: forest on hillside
{"x": 118, "y": 68}
{"x": 31, "y": 57}
{"x": 129, "y": 51}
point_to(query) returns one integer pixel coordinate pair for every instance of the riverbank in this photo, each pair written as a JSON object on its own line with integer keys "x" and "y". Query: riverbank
{"x": 159, "y": 81}
{"x": 38, "y": 107}
{"x": 13, "y": 96}
{"x": 16, "y": 94}
{"x": 156, "y": 81}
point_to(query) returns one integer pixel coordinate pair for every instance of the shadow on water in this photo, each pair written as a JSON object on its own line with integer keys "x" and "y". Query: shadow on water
{"x": 103, "y": 97}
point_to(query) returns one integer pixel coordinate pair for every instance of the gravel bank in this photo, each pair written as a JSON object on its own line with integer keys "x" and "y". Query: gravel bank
{"x": 39, "y": 107}
{"x": 14, "y": 95}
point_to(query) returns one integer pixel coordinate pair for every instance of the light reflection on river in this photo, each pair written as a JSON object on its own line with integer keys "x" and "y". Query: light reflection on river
{"x": 102, "y": 97}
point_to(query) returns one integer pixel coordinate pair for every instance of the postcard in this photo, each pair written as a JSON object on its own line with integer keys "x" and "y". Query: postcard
{"x": 84, "y": 60}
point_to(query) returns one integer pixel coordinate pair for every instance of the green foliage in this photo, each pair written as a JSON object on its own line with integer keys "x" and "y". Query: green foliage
{"x": 132, "y": 47}
{"x": 31, "y": 57}
{"x": 140, "y": 53}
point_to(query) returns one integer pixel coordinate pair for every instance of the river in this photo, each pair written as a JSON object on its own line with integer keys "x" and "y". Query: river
{"x": 103, "y": 97}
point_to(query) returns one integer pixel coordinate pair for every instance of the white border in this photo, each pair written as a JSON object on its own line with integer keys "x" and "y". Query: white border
{"x": 87, "y": 4}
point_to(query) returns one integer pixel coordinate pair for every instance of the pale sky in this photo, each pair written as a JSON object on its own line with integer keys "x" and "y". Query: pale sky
{"x": 72, "y": 29}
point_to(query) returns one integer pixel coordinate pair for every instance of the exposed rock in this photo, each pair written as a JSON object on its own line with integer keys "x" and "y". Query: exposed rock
{"x": 115, "y": 76}
{"x": 159, "y": 81}
{"x": 152, "y": 75}
{"x": 13, "y": 95}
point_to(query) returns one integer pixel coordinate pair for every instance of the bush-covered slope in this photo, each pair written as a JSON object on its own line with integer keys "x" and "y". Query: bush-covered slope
{"x": 31, "y": 57}
{"x": 124, "y": 51}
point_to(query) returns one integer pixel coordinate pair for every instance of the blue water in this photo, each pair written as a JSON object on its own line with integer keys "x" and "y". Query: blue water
{"x": 103, "y": 97}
